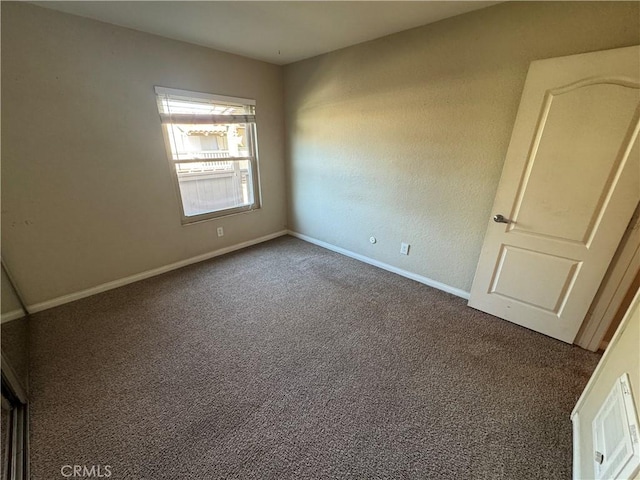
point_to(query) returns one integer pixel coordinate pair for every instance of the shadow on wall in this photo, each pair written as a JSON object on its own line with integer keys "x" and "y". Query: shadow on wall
{"x": 406, "y": 135}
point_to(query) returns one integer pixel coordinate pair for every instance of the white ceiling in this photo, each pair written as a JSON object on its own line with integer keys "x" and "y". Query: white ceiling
{"x": 273, "y": 31}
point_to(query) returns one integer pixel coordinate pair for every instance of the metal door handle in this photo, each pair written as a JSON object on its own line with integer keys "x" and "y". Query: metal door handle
{"x": 500, "y": 219}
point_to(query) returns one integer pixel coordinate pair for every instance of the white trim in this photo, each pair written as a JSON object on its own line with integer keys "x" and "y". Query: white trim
{"x": 12, "y": 315}
{"x": 204, "y": 96}
{"x": 612, "y": 343}
{"x": 575, "y": 420}
{"x": 575, "y": 413}
{"x": 385, "y": 266}
{"x": 37, "y": 307}
{"x": 615, "y": 286}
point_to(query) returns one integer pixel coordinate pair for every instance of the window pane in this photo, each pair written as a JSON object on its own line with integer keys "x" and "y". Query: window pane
{"x": 205, "y": 134}
{"x": 208, "y": 187}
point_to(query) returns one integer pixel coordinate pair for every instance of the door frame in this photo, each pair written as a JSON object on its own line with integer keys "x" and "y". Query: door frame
{"x": 16, "y": 461}
{"x": 624, "y": 267}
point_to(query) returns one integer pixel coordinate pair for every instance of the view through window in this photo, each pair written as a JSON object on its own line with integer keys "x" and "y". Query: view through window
{"x": 211, "y": 143}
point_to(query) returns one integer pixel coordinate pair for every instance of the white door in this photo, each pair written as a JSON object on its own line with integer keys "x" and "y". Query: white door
{"x": 569, "y": 186}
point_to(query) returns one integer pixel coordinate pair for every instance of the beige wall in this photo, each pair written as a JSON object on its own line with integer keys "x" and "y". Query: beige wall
{"x": 87, "y": 193}
{"x": 9, "y": 302}
{"x": 404, "y": 137}
{"x": 622, "y": 357}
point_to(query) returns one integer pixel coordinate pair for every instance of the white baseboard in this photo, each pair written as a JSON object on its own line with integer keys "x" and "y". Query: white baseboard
{"x": 37, "y": 307}
{"x": 390, "y": 268}
{"x": 12, "y": 315}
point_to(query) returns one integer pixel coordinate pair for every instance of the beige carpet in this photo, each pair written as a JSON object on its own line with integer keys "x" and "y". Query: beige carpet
{"x": 287, "y": 361}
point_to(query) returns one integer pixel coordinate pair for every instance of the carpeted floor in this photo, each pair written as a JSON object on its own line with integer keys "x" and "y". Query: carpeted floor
{"x": 287, "y": 361}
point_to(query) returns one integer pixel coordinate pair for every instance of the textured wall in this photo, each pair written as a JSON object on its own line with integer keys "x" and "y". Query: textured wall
{"x": 404, "y": 137}
{"x": 87, "y": 193}
{"x": 9, "y": 301}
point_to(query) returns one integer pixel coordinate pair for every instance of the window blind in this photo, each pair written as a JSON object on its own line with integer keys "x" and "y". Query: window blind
{"x": 193, "y": 108}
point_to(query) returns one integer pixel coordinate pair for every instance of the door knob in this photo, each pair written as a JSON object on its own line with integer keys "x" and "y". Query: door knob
{"x": 500, "y": 219}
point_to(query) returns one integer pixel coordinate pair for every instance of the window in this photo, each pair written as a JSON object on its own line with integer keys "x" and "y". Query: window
{"x": 211, "y": 144}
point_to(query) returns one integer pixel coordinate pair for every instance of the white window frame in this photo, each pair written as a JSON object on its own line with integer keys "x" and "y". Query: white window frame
{"x": 252, "y": 158}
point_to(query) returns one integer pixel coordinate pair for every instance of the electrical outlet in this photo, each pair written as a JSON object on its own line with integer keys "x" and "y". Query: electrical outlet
{"x": 220, "y": 232}
{"x": 404, "y": 248}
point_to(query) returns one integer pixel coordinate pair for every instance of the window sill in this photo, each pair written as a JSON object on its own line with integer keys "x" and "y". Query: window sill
{"x": 206, "y": 217}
